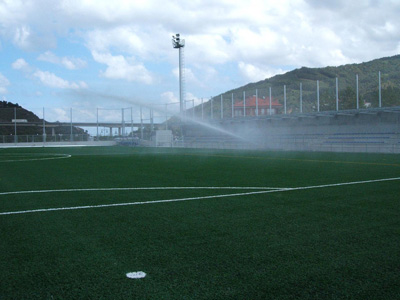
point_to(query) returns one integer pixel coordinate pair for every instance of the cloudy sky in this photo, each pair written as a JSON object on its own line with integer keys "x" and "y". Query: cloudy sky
{"x": 84, "y": 54}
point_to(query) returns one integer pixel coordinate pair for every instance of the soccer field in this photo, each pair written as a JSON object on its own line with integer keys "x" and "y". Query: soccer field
{"x": 198, "y": 224}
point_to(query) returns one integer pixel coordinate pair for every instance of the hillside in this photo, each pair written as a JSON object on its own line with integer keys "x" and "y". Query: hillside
{"x": 346, "y": 74}
{"x": 7, "y": 114}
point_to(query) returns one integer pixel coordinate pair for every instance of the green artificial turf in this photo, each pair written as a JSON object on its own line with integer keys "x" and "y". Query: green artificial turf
{"x": 335, "y": 242}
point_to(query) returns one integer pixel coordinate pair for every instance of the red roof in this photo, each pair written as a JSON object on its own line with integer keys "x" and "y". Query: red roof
{"x": 252, "y": 102}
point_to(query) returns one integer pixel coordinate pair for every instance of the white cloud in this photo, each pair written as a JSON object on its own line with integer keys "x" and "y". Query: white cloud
{"x": 169, "y": 97}
{"x": 51, "y": 80}
{"x": 190, "y": 77}
{"x": 28, "y": 24}
{"x": 173, "y": 101}
{"x": 47, "y": 78}
{"x": 20, "y": 64}
{"x": 21, "y": 36}
{"x": 73, "y": 63}
{"x": 225, "y": 40}
{"x": 119, "y": 67}
{"x": 191, "y": 97}
{"x": 59, "y": 114}
{"x": 209, "y": 49}
{"x": 70, "y": 63}
{"x": 64, "y": 114}
{"x": 216, "y": 32}
{"x": 108, "y": 115}
{"x": 125, "y": 38}
{"x": 4, "y": 82}
{"x": 254, "y": 73}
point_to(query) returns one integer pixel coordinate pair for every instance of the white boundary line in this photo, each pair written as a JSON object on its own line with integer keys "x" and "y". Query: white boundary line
{"x": 134, "y": 203}
{"x": 54, "y": 156}
{"x": 198, "y": 198}
{"x": 142, "y": 188}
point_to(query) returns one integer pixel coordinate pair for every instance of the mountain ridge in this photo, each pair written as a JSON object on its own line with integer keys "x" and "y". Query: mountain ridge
{"x": 368, "y": 80}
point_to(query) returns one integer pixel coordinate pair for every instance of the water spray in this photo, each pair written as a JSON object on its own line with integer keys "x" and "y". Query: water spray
{"x": 162, "y": 110}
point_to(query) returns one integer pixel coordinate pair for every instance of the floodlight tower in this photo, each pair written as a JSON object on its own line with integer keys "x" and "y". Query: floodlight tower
{"x": 177, "y": 43}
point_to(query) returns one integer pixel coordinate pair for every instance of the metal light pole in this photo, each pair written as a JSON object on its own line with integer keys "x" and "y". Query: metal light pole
{"x": 97, "y": 124}
{"x": 192, "y": 108}
{"x": 141, "y": 123}
{"x": 166, "y": 116}
{"x": 71, "y": 136}
{"x": 15, "y": 126}
{"x": 177, "y": 43}
{"x": 380, "y": 89}
{"x": 123, "y": 122}
{"x": 202, "y": 109}
{"x": 301, "y": 98}
{"x": 357, "y": 95}
{"x": 151, "y": 120}
{"x": 44, "y": 129}
{"x": 256, "y": 102}
{"x": 270, "y": 101}
{"x": 244, "y": 103}
{"x": 212, "y": 114}
{"x": 318, "y": 95}
{"x": 222, "y": 107}
{"x": 284, "y": 97}
{"x": 132, "y": 123}
{"x": 337, "y": 94}
{"x": 233, "y": 112}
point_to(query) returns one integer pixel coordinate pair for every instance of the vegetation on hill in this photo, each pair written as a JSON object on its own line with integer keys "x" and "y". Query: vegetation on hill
{"x": 368, "y": 81}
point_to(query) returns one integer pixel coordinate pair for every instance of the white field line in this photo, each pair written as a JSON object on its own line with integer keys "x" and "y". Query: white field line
{"x": 135, "y": 203}
{"x": 200, "y": 198}
{"x": 53, "y": 156}
{"x": 142, "y": 188}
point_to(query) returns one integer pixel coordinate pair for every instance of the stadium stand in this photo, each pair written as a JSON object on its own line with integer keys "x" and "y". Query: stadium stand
{"x": 372, "y": 130}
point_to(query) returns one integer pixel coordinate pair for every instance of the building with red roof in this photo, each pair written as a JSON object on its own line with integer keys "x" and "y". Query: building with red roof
{"x": 251, "y": 106}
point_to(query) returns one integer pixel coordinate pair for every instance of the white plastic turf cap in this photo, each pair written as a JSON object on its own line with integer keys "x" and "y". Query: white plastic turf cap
{"x": 136, "y": 275}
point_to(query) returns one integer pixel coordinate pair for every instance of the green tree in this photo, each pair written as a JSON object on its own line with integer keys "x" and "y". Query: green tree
{"x": 327, "y": 101}
{"x": 348, "y": 99}
{"x": 390, "y": 97}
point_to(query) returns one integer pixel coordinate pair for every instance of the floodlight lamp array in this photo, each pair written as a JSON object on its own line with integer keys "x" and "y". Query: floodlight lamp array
{"x": 177, "y": 42}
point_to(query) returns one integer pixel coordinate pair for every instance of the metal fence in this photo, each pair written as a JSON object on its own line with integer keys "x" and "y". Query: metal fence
{"x": 331, "y": 93}
{"x": 44, "y": 139}
{"x": 57, "y": 125}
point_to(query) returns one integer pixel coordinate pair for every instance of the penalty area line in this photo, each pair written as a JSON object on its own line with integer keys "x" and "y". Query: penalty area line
{"x": 140, "y": 189}
{"x": 136, "y": 203}
{"x": 200, "y": 198}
